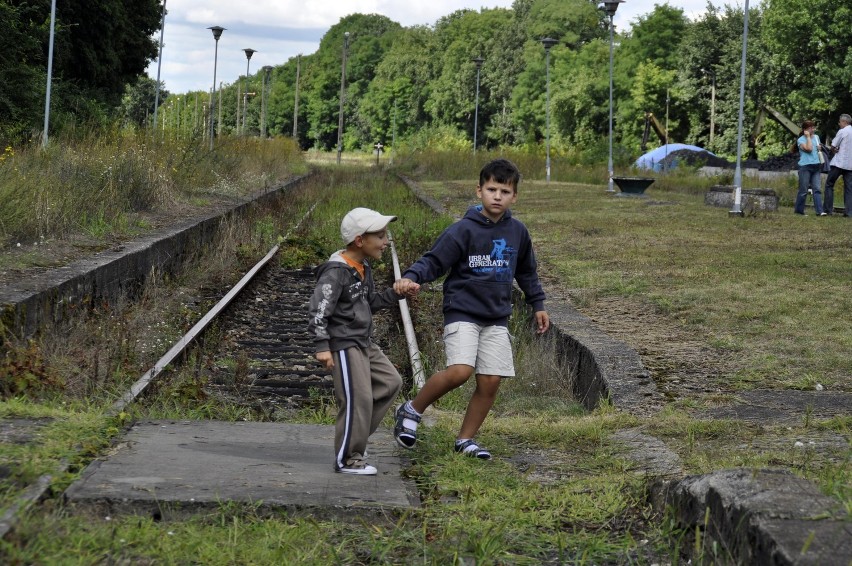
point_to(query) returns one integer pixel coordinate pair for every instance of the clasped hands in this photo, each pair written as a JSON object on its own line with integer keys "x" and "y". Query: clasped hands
{"x": 406, "y": 287}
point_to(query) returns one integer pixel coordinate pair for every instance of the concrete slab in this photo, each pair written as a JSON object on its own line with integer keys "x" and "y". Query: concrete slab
{"x": 761, "y": 516}
{"x": 786, "y": 406}
{"x": 172, "y": 467}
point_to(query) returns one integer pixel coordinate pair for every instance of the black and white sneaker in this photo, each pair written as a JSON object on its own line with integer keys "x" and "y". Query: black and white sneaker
{"x": 405, "y": 428}
{"x": 469, "y": 447}
{"x": 358, "y": 468}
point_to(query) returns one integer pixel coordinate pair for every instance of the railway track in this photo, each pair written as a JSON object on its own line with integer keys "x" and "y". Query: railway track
{"x": 266, "y": 350}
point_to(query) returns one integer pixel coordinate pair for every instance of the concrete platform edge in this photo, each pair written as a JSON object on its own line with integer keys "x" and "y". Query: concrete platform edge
{"x": 45, "y": 298}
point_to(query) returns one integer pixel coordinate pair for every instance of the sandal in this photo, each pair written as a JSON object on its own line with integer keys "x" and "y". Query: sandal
{"x": 405, "y": 437}
{"x": 470, "y": 448}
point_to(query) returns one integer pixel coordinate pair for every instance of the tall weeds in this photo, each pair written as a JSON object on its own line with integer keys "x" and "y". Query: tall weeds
{"x": 92, "y": 184}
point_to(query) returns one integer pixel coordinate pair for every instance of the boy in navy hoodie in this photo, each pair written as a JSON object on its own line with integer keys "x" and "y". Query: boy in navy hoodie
{"x": 483, "y": 253}
{"x": 341, "y": 322}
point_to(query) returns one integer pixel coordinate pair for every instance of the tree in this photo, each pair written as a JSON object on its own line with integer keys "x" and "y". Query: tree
{"x": 645, "y": 73}
{"x": 21, "y": 78}
{"x": 105, "y": 44}
{"x": 402, "y": 85}
{"x": 369, "y": 40}
{"x": 810, "y": 45}
{"x": 99, "y": 47}
{"x": 137, "y": 104}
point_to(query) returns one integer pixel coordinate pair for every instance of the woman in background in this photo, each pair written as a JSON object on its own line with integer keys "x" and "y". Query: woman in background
{"x": 809, "y": 169}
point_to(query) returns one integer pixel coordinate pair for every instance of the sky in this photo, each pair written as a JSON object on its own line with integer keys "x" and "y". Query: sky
{"x": 281, "y": 29}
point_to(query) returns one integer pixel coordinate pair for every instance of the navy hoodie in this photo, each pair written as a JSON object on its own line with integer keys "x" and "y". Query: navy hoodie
{"x": 482, "y": 258}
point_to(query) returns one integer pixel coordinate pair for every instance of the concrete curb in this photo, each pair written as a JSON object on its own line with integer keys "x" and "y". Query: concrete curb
{"x": 758, "y": 517}
{"x": 45, "y": 298}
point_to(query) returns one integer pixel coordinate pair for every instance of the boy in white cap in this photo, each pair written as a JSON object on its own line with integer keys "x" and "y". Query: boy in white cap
{"x": 341, "y": 322}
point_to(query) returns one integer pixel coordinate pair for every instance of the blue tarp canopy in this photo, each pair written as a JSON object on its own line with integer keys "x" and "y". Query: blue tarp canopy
{"x": 653, "y": 159}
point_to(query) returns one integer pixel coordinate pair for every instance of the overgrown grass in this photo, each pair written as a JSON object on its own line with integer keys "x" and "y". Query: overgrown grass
{"x": 94, "y": 185}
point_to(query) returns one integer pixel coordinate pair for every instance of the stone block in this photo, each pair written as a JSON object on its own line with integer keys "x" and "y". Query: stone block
{"x": 751, "y": 200}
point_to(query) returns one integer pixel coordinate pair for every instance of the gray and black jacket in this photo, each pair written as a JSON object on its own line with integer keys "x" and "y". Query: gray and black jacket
{"x": 342, "y": 306}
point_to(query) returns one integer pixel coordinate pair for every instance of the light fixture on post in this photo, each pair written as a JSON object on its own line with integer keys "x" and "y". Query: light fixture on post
{"x": 478, "y": 62}
{"x": 249, "y": 53}
{"x": 610, "y": 6}
{"x": 217, "y": 33}
{"x": 712, "y": 74}
{"x": 50, "y": 76}
{"x": 342, "y": 91}
{"x": 296, "y": 101}
{"x": 737, "y": 210}
{"x": 263, "y": 99}
{"x": 159, "y": 65}
{"x": 548, "y": 43}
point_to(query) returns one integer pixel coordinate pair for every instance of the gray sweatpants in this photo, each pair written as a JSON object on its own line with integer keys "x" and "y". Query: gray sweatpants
{"x": 365, "y": 386}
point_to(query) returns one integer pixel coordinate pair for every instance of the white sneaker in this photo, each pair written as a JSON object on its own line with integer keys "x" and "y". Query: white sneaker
{"x": 358, "y": 469}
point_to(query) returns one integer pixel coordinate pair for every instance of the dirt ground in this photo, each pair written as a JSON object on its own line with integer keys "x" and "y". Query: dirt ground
{"x": 679, "y": 362}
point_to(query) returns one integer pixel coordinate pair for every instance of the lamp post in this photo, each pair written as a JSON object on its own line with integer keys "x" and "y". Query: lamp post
{"x": 296, "y": 102}
{"x": 712, "y": 74}
{"x": 50, "y": 75}
{"x": 393, "y": 128}
{"x": 610, "y": 6}
{"x": 263, "y": 98}
{"x": 221, "y": 106}
{"x": 159, "y": 64}
{"x": 665, "y": 160}
{"x": 478, "y": 62}
{"x": 217, "y": 33}
{"x": 177, "y": 118}
{"x": 738, "y": 174}
{"x": 249, "y": 53}
{"x": 548, "y": 42}
{"x": 342, "y": 90}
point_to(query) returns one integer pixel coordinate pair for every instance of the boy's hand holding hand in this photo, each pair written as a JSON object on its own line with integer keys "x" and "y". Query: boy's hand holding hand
{"x": 406, "y": 287}
{"x": 325, "y": 359}
{"x": 542, "y": 320}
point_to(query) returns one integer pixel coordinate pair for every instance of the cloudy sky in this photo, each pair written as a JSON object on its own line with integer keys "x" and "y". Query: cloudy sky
{"x": 281, "y": 29}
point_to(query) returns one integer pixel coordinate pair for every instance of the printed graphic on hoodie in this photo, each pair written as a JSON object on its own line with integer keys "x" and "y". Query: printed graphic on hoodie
{"x": 498, "y": 262}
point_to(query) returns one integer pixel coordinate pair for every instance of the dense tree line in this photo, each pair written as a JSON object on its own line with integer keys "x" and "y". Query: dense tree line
{"x": 100, "y": 46}
{"x": 418, "y": 83}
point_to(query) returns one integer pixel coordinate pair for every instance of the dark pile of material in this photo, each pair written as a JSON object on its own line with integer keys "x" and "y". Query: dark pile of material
{"x": 784, "y": 162}
{"x": 781, "y": 162}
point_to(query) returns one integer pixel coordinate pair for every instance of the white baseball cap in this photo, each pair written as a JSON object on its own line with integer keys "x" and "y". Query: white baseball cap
{"x": 359, "y": 221}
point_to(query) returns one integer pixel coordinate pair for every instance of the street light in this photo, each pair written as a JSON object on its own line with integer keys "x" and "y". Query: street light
{"x": 548, "y": 42}
{"x": 159, "y": 66}
{"x": 296, "y": 102}
{"x": 249, "y": 53}
{"x": 217, "y": 33}
{"x": 610, "y": 6}
{"x": 712, "y": 74}
{"x": 478, "y": 62}
{"x": 263, "y": 103}
{"x": 738, "y": 174}
{"x": 50, "y": 75}
{"x": 342, "y": 89}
